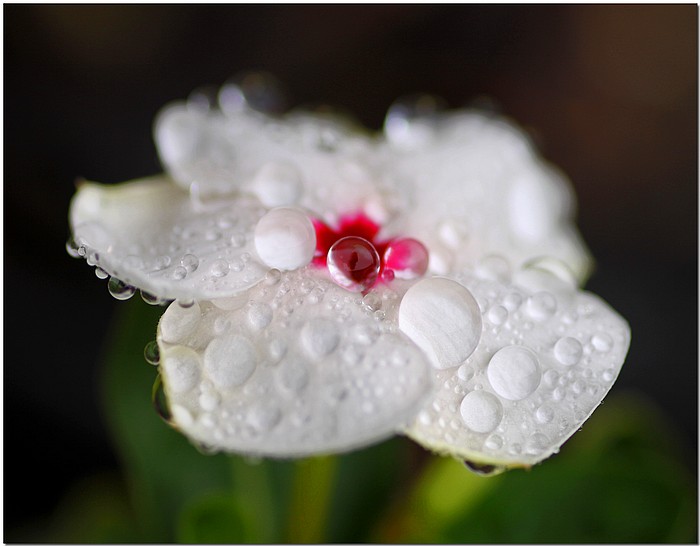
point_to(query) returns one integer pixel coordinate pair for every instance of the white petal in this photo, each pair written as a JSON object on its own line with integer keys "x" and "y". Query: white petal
{"x": 314, "y": 162}
{"x": 303, "y": 367}
{"x": 543, "y": 364}
{"x": 152, "y": 235}
{"x": 477, "y": 187}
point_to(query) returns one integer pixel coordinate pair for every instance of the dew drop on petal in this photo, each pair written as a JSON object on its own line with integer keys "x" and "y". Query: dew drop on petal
{"x": 219, "y": 268}
{"x": 178, "y": 322}
{"x": 73, "y": 248}
{"x": 229, "y": 361}
{"x": 190, "y": 262}
{"x": 119, "y": 289}
{"x": 259, "y": 91}
{"x": 602, "y": 342}
{"x": 319, "y": 337}
{"x": 179, "y": 273}
{"x": 481, "y": 411}
{"x": 259, "y": 315}
{"x": 409, "y": 121}
{"x": 151, "y": 353}
{"x": 568, "y": 351}
{"x": 442, "y": 317}
{"x": 544, "y": 414}
{"x": 407, "y": 258}
{"x": 181, "y": 367}
{"x": 101, "y": 273}
{"x": 541, "y": 306}
{"x": 277, "y": 184}
{"x": 353, "y": 263}
{"x": 514, "y": 372}
{"x": 285, "y": 239}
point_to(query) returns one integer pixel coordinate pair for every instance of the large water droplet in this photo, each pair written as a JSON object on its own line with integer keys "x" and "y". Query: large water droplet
{"x": 481, "y": 411}
{"x": 285, "y": 239}
{"x": 353, "y": 263}
{"x": 320, "y": 337}
{"x": 119, "y": 289}
{"x": 190, "y": 262}
{"x": 229, "y": 361}
{"x": 568, "y": 351}
{"x": 514, "y": 372}
{"x": 407, "y": 258}
{"x": 442, "y": 317}
{"x": 541, "y": 306}
{"x": 181, "y": 367}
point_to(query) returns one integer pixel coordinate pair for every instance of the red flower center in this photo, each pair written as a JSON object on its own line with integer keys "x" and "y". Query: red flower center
{"x": 356, "y": 259}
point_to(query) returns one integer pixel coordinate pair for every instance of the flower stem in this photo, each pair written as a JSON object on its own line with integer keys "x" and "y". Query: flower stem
{"x": 310, "y": 499}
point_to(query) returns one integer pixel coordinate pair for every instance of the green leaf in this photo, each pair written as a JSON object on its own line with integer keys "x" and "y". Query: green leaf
{"x": 164, "y": 471}
{"x": 216, "y": 518}
{"x": 620, "y": 480}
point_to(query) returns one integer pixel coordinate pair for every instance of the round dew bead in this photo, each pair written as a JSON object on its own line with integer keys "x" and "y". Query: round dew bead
{"x": 285, "y": 239}
{"x": 353, "y": 263}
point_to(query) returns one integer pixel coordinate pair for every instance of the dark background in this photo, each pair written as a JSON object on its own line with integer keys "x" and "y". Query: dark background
{"x": 608, "y": 92}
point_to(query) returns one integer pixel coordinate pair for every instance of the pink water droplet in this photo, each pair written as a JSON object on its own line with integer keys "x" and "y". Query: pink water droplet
{"x": 354, "y": 263}
{"x": 407, "y": 258}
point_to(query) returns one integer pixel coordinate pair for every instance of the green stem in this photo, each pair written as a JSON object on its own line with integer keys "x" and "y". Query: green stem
{"x": 310, "y": 499}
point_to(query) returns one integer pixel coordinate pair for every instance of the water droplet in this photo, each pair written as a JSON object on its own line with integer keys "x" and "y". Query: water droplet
{"x": 277, "y": 184}
{"x": 238, "y": 239}
{"x": 407, "y": 258}
{"x": 551, "y": 377}
{"x": 319, "y": 337}
{"x": 272, "y": 277}
{"x": 484, "y": 469}
{"x": 536, "y": 444}
{"x": 608, "y": 375}
{"x": 493, "y": 267}
{"x": 203, "y": 98}
{"x": 185, "y": 304}
{"x": 494, "y": 442}
{"x": 230, "y": 360}
{"x": 353, "y": 263}
{"x": 293, "y": 375}
{"x": 150, "y": 299}
{"x": 544, "y": 414}
{"x": 541, "y": 306}
{"x": 481, "y": 411}
{"x": 285, "y": 239}
{"x": 180, "y": 367}
{"x": 219, "y": 268}
{"x": 259, "y": 91}
{"x": 512, "y": 301}
{"x": 160, "y": 401}
{"x": 209, "y": 400}
{"x": 442, "y": 317}
{"x": 73, "y": 249}
{"x": 190, "y": 262}
{"x": 151, "y": 353}
{"x": 179, "y": 273}
{"x": 465, "y": 372}
{"x": 568, "y": 351}
{"x": 263, "y": 416}
{"x": 602, "y": 342}
{"x": 514, "y": 372}
{"x": 101, "y": 273}
{"x": 497, "y": 315}
{"x": 410, "y": 120}
{"x": 259, "y": 315}
{"x": 119, "y": 289}
{"x": 372, "y": 301}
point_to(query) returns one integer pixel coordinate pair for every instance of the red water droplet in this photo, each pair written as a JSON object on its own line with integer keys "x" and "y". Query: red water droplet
{"x": 407, "y": 258}
{"x": 354, "y": 263}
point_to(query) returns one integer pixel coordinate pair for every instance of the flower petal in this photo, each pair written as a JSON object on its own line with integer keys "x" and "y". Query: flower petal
{"x": 299, "y": 366}
{"x": 313, "y": 161}
{"x": 476, "y": 186}
{"x": 545, "y": 360}
{"x": 152, "y": 235}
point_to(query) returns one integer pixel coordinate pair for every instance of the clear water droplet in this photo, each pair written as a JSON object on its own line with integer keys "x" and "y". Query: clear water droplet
{"x": 160, "y": 401}
{"x": 185, "y": 304}
{"x": 151, "y": 299}
{"x": 119, "y": 289}
{"x": 151, "y": 353}
{"x": 73, "y": 248}
{"x": 259, "y": 91}
{"x": 101, "y": 273}
{"x": 190, "y": 262}
{"x": 219, "y": 268}
{"x": 272, "y": 277}
{"x": 353, "y": 263}
{"x": 484, "y": 469}
{"x": 179, "y": 273}
{"x": 410, "y": 120}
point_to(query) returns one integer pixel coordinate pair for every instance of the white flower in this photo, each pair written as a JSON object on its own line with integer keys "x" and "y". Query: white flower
{"x": 335, "y": 287}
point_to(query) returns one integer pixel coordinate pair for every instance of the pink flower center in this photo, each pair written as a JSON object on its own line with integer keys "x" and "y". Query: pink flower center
{"x": 356, "y": 259}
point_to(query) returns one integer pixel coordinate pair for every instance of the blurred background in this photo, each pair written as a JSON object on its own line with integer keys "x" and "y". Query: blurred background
{"x": 609, "y": 94}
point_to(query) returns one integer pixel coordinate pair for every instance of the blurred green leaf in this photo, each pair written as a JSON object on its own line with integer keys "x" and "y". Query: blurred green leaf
{"x": 165, "y": 472}
{"x": 216, "y": 518}
{"x": 621, "y": 480}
